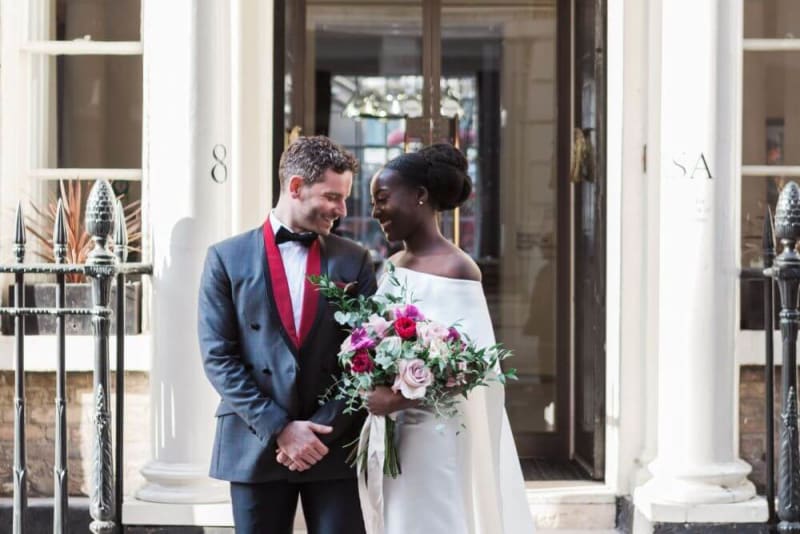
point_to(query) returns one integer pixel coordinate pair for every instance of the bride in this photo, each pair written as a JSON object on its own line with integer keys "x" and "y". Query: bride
{"x": 458, "y": 475}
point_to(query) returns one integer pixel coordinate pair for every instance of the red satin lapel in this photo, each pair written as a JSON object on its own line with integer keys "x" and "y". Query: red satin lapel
{"x": 280, "y": 286}
{"x": 310, "y": 295}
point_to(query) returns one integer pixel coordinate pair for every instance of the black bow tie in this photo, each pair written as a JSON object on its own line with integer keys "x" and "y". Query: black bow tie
{"x": 304, "y": 238}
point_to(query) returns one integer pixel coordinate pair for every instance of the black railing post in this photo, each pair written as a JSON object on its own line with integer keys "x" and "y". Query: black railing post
{"x": 121, "y": 251}
{"x": 20, "y": 467}
{"x": 60, "y": 473}
{"x": 101, "y": 268}
{"x": 768, "y": 242}
{"x": 787, "y": 271}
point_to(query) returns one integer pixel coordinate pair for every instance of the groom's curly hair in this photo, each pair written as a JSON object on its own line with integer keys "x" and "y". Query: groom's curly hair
{"x": 310, "y": 157}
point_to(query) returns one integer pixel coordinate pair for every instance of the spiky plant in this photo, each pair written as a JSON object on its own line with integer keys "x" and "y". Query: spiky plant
{"x": 79, "y": 243}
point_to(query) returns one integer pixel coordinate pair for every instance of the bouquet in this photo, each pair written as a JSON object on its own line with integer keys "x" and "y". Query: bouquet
{"x": 392, "y": 343}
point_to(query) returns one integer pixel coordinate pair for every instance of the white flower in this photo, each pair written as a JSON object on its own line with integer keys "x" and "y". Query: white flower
{"x": 430, "y": 331}
{"x": 346, "y": 346}
{"x": 438, "y": 350}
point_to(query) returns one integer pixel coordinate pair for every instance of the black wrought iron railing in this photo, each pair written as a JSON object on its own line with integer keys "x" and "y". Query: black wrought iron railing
{"x": 103, "y": 267}
{"x": 783, "y": 270}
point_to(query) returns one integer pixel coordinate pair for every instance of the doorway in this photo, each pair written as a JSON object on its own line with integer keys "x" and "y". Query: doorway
{"x": 500, "y": 80}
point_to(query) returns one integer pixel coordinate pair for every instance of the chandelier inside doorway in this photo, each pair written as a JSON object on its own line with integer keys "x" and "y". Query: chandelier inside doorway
{"x": 396, "y": 97}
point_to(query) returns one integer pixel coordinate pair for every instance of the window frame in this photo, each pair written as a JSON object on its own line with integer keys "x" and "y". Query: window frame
{"x": 28, "y": 111}
{"x": 749, "y": 346}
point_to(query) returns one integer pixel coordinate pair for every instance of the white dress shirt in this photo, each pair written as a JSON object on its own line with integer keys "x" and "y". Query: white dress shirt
{"x": 294, "y": 256}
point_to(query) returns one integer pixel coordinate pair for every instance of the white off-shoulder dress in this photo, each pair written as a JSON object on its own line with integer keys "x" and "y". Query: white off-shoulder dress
{"x": 455, "y": 479}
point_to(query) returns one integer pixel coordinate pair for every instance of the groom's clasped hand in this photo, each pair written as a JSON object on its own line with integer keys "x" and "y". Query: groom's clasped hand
{"x": 299, "y": 448}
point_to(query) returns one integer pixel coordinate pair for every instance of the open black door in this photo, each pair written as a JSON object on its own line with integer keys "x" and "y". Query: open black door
{"x": 589, "y": 224}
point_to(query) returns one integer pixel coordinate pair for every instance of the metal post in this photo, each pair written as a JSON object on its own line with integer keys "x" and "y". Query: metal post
{"x": 121, "y": 251}
{"x": 101, "y": 268}
{"x": 787, "y": 271}
{"x": 768, "y": 242}
{"x": 60, "y": 476}
{"x": 20, "y": 474}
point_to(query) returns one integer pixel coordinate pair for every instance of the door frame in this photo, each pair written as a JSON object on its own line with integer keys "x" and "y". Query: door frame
{"x": 558, "y": 445}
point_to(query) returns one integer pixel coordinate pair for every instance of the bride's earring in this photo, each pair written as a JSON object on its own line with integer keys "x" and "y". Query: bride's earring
{"x": 421, "y": 202}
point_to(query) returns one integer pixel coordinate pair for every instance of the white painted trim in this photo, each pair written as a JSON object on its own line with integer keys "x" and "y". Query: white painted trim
{"x": 252, "y": 30}
{"x": 81, "y": 47}
{"x": 771, "y": 45}
{"x": 40, "y": 353}
{"x": 130, "y": 175}
{"x": 615, "y": 119}
{"x": 766, "y": 170}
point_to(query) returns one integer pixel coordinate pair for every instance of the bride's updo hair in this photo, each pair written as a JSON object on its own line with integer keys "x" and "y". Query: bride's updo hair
{"x": 439, "y": 168}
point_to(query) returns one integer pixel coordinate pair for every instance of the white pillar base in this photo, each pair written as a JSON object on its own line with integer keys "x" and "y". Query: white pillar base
{"x": 715, "y": 493}
{"x": 751, "y": 511}
{"x": 172, "y": 483}
{"x": 707, "y": 484}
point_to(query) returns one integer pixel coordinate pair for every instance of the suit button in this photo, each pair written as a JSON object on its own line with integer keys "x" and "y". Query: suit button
{"x": 266, "y": 371}
{"x": 255, "y": 326}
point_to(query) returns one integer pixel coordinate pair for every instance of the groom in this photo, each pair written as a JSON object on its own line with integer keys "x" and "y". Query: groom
{"x": 269, "y": 343}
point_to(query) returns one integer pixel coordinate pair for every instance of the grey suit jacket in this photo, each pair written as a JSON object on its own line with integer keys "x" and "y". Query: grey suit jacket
{"x": 263, "y": 380}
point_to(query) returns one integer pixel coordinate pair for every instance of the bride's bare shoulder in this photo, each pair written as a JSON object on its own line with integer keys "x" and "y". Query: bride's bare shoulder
{"x": 460, "y": 265}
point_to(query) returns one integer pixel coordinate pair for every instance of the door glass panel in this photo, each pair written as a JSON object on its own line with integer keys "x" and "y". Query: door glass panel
{"x": 91, "y": 105}
{"x": 363, "y": 79}
{"x": 499, "y": 79}
{"x": 771, "y": 19}
{"x": 770, "y": 116}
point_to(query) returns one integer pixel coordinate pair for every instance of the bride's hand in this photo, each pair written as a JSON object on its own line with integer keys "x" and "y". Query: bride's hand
{"x": 383, "y": 401}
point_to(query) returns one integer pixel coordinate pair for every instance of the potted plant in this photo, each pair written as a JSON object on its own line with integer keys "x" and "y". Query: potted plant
{"x": 39, "y": 225}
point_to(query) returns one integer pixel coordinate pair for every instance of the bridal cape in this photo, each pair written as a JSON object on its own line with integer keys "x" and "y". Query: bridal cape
{"x": 455, "y": 479}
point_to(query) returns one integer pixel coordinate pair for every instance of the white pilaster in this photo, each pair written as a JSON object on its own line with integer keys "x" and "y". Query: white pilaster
{"x": 187, "y": 105}
{"x": 696, "y": 471}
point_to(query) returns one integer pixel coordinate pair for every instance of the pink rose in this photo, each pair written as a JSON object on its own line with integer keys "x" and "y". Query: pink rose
{"x": 412, "y": 379}
{"x": 429, "y": 332}
{"x": 378, "y": 325}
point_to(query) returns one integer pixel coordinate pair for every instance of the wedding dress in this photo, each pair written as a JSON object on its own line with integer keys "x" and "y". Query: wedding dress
{"x": 461, "y": 475}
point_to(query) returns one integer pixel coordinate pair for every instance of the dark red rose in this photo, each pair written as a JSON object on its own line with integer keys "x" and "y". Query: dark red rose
{"x": 405, "y": 327}
{"x": 361, "y": 362}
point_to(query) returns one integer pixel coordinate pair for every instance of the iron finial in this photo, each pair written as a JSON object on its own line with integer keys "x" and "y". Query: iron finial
{"x": 59, "y": 235}
{"x": 787, "y": 214}
{"x": 100, "y": 210}
{"x": 100, "y": 222}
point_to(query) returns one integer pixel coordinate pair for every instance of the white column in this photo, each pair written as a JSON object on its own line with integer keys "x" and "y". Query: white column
{"x": 187, "y": 105}
{"x": 697, "y": 475}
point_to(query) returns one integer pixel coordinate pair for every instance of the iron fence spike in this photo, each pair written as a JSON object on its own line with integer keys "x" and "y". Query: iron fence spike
{"x": 59, "y": 234}
{"x": 767, "y": 235}
{"x": 19, "y": 235}
{"x": 120, "y": 233}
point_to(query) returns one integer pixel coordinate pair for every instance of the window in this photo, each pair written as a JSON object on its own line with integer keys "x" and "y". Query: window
{"x": 770, "y": 131}
{"x": 72, "y": 94}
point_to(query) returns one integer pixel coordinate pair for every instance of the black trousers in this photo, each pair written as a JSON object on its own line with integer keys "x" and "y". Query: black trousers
{"x": 329, "y": 507}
